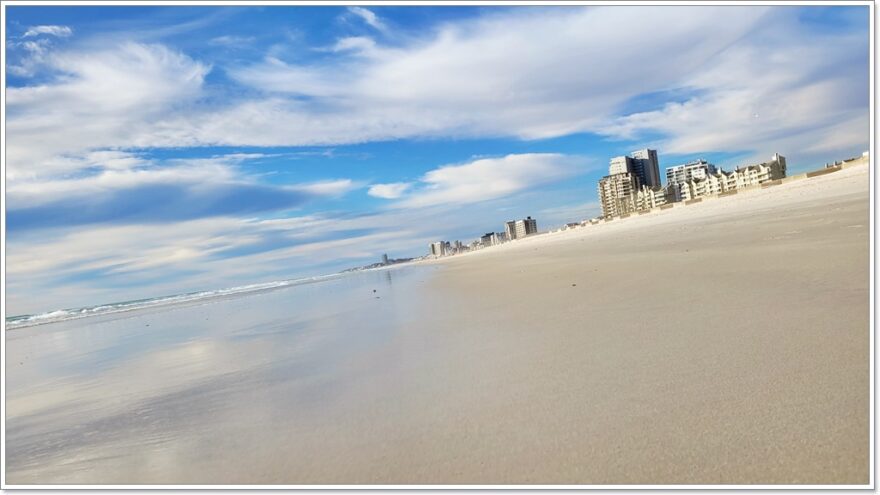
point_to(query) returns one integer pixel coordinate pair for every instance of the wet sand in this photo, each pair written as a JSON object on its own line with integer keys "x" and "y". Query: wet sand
{"x": 725, "y": 342}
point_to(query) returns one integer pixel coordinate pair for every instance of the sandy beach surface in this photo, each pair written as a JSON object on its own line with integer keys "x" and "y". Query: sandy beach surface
{"x": 724, "y": 342}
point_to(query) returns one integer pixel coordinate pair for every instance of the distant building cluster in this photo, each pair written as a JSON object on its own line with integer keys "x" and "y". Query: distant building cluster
{"x": 633, "y": 182}
{"x": 386, "y": 261}
{"x": 513, "y": 230}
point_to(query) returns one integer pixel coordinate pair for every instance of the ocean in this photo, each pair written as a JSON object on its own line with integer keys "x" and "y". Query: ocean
{"x": 142, "y": 392}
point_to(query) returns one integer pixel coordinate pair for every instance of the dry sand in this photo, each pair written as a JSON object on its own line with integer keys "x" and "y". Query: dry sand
{"x": 724, "y": 342}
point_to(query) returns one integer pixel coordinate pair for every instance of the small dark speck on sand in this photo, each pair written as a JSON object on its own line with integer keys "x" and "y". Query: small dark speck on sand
{"x": 574, "y": 285}
{"x": 374, "y": 290}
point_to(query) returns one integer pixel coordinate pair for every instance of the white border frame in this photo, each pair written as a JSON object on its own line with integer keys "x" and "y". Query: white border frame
{"x": 872, "y": 174}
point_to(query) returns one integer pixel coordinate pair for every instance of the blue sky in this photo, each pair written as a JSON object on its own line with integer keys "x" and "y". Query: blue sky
{"x": 157, "y": 150}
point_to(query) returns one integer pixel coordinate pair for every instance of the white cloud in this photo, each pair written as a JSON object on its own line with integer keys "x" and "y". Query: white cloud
{"x": 361, "y": 44}
{"x": 525, "y": 72}
{"x": 521, "y": 74}
{"x": 196, "y": 254}
{"x": 389, "y": 191}
{"x": 35, "y": 55}
{"x": 230, "y": 40}
{"x": 104, "y": 99}
{"x": 59, "y": 31}
{"x": 767, "y": 95}
{"x": 335, "y": 187}
{"x": 369, "y": 17}
{"x": 490, "y": 178}
{"x": 124, "y": 188}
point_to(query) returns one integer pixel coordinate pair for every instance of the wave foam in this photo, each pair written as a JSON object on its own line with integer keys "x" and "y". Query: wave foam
{"x": 14, "y": 322}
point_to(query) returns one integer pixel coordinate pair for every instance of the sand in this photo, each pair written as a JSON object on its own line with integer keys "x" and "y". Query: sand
{"x": 723, "y": 342}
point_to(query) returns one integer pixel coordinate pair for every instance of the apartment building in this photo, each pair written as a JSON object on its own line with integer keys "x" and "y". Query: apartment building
{"x": 721, "y": 181}
{"x": 695, "y": 170}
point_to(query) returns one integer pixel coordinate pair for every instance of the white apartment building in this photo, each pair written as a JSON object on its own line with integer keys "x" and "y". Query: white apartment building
{"x": 647, "y": 197}
{"x": 755, "y": 174}
{"x": 720, "y": 181}
{"x": 525, "y": 227}
{"x": 620, "y": 165}
{"x": 617, "y": 194}
{"x": 695, "y": 170}
{"x": 510, "y": 230}
{"x": 517, "y": 229}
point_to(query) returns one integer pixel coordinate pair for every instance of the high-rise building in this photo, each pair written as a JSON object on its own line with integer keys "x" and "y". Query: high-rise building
{"x": 617, "y": 194}
{"x": 697, "y": 169}
{"x": 517, "y": 229}
{"x": 384, "y": 259}
{"x": 438, "y": 248}
{"x": 489, "y": 239}
{"x": 525, "y": 227}
{"x": 510, "y": 230}
{"x": 646, "y": 166}
{"x": 620, "y": 165}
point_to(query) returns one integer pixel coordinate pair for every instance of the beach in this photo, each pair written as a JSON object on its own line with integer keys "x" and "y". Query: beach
{"x": 724, "y": 342}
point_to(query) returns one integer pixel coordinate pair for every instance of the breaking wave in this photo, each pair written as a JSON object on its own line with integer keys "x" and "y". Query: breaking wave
{"x": 22, "y": 321}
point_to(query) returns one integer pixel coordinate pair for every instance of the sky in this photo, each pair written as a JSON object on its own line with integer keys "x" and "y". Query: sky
{"x": 159, "y": 150}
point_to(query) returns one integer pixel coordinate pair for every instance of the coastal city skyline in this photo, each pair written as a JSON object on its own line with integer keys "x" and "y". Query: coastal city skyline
{"x": 634, "y": 185}
{"x": 149, "y": 203}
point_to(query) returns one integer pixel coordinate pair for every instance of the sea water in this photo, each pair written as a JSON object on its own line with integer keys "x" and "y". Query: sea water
{"x": 146, "y": 394}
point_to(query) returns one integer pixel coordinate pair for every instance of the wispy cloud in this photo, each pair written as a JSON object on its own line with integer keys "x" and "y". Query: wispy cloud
{"x": 336, "y": 187}
{"x": 776, "y": 92}
{"x": 137, "y": 260}
{"x": 104, "y": 99}
{"x": 129, "y": 190}
{"x": 360, "y": 44}
{"x": 369, "y": 17}
{"x": 60, "y": 31}
{"x": 490, "y": 178}
{"x": 530, "y": 87}
{"x": 389, "y": 191}
{"x": 35, "y": 55}
{"x": 231, "y": 40}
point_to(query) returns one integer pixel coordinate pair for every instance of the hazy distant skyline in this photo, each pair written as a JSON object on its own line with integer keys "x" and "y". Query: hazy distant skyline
{"x": 158, "y": 150}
